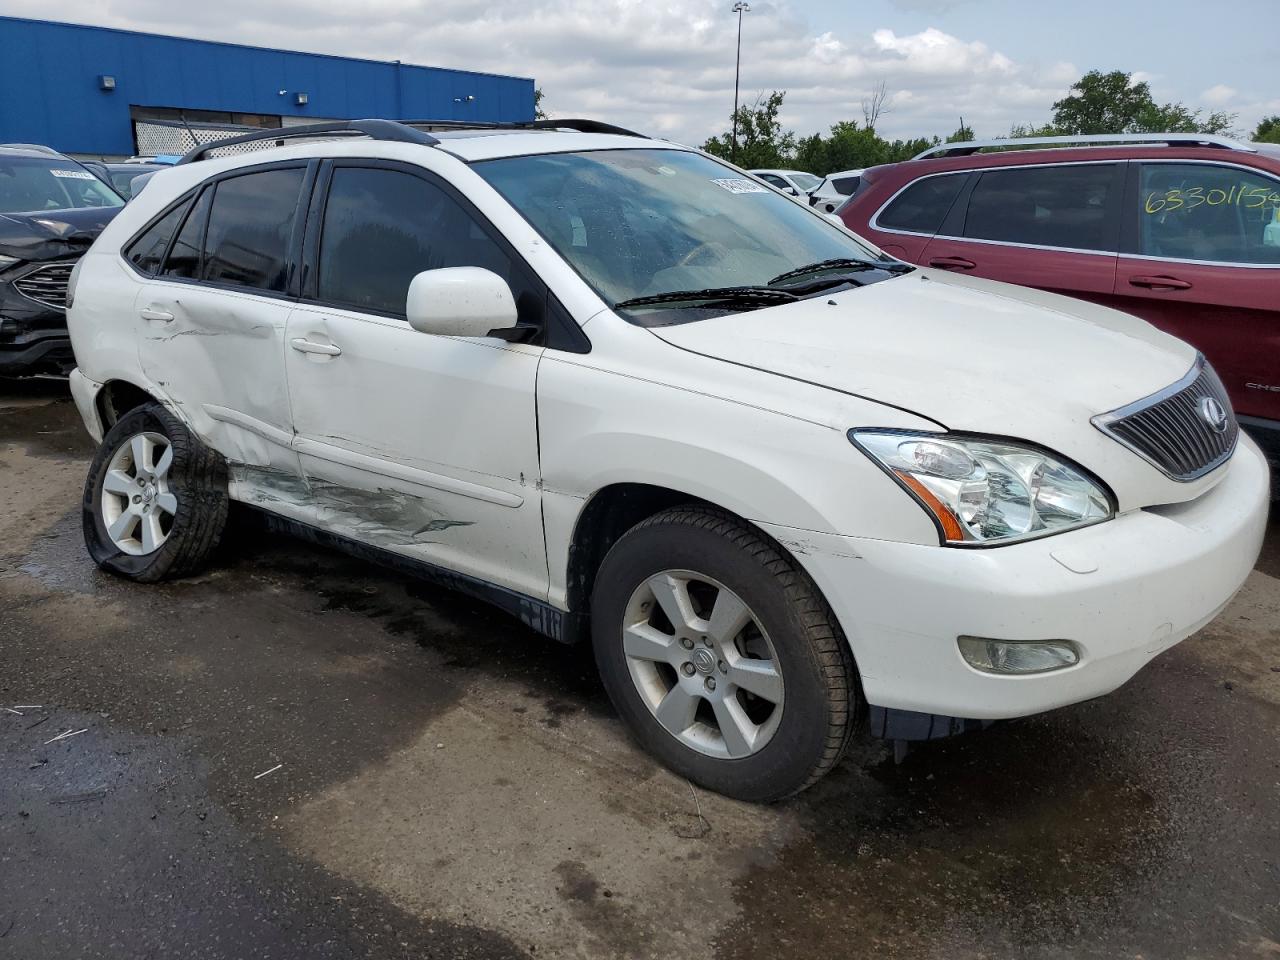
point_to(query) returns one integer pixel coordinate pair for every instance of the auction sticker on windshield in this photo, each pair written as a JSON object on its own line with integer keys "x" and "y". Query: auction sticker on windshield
{"x": 738, "y": 185}
{"x": 73, "y": 174}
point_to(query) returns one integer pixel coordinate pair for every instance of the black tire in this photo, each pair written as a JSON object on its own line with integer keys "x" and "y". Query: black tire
{"x": 823, "y": 702}
{"x": 197, "y": 477}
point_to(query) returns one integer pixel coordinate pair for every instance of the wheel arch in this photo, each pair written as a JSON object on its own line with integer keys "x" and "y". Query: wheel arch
{"x": 116, "y": 398}
{"x": 613, "y": 510}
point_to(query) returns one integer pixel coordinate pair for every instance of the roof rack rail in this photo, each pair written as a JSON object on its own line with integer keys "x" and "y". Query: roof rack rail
{"x": 583, "y": 126}
{"x": 374, "y": 129}
{"x": 578, "y": 124}
{"x": 967, "y": 148}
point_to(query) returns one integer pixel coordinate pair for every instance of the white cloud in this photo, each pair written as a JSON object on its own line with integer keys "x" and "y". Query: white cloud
{"x": 663, "y": 67}
{"x": 1219, "y": 95}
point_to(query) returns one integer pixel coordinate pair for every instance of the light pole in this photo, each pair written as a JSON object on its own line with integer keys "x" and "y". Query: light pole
{"x": 739, "y": 8}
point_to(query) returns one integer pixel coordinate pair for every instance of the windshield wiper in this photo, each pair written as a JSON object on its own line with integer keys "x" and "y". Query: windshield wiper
{"x": 743, "y": 297}
{"x": 843, "y": 265}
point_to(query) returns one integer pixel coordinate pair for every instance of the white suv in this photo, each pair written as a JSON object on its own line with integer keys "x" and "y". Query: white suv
{"x": 785, "y": 484}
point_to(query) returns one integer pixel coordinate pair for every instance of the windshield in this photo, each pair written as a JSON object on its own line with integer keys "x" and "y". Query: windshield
{"x": 639, "y": 223}
{"x": 805, "y": 181}
{"x": 35, "y": 184}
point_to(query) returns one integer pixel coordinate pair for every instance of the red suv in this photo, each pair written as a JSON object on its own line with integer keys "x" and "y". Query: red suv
{"x": 1181, "y": 230}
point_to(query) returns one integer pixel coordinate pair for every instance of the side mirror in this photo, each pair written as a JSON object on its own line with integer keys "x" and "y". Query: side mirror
{"x": 460, "y": 302}
{"x": 833, "y": 218}
{"x": 793, "y": 191}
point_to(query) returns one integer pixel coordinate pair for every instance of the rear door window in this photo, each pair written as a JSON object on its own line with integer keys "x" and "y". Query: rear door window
{"x": 846, "y": 185}
{"x": 147, "y": 251}
{"x": 922, "y": 207}
{"x": 184, "y": 257}
{"x": 1069, "y": 207}
{"x": 1207, "y": 212}
{"x": 250, "y": 229}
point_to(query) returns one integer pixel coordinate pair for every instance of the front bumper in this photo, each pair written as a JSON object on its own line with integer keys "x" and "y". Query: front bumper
{"x": 42, "y": 355}
{"x": 1124, "y": 591}
{"x": 33, "y": 335}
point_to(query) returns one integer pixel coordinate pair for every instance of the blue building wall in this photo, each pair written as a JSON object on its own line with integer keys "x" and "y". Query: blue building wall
{"x": 49, "y": 89}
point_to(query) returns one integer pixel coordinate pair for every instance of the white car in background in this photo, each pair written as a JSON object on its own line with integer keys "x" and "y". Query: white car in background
{"x": 834, "y": 190}
{"x": 786, "y": 485}
{"x": 795, "y": 183}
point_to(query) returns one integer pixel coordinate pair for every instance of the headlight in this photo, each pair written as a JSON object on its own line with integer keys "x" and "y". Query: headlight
{"x": 6, "y": 262}
{"x": 987, "y": 491}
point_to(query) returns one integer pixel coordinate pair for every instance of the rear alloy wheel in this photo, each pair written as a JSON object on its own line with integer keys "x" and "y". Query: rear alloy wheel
{"x": 721, "y": 655}
{"x": 155, "y": 501}
{"x": 137, "y": 506}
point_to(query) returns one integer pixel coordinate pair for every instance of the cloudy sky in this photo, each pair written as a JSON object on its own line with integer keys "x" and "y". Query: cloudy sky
{"x": 666, "y": 66}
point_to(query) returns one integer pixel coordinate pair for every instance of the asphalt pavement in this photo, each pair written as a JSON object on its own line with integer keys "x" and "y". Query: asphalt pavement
{"x": 296, "y": 754}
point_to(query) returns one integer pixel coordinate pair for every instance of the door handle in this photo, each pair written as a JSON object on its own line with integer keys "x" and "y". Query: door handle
{"x": 310, "y": 346}
{"x": 1160, "y": 283}
{"x": 952, "y": 263}
{"x": 151, "y": 313}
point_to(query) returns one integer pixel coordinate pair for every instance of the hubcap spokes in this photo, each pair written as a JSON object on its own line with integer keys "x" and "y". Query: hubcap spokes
{"x": 137, "y": 505}
{"x": 703, "y": 664}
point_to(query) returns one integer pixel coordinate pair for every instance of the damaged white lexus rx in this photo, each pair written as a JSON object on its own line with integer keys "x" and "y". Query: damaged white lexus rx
{"x": 787, "y": 486}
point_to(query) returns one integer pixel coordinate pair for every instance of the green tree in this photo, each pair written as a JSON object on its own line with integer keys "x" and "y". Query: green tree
{"x": 1024, "y": 130}
{"x": 761, "y": 140}
{"x": 1268, "y": 130}
{"x": 963, "y": 134}
{"x": 538, "y": 112}
{"x": 811, "y": 156}
{"x": 900, "y": 150}
{"x": 853, "y": 147}
{"x": 1112, "y": 103}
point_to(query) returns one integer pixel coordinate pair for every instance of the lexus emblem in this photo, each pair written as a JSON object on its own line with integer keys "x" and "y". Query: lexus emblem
{"x": 1213, "y": 413}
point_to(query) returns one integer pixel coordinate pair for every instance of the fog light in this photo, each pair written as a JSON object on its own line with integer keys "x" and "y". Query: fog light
{"x": 1018, "y": 656}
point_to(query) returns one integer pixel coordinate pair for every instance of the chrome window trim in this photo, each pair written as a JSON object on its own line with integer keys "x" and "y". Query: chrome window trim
{"x": 1186, "y": 161}
{"x": 874, "y": 223}
{"x": 1104, "y": 421}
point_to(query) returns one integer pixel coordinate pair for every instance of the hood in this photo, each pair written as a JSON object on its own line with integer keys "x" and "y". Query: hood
{"x": 52, "y": 234}
{"x": 970, "y": 355}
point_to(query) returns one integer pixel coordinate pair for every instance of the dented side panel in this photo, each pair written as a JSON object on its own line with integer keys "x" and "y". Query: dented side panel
{"x": 220, "y": 358}
{"x": 426, "y": 446}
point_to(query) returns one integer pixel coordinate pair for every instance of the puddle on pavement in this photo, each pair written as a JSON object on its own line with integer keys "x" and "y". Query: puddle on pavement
{"x": 1013, "y": 828}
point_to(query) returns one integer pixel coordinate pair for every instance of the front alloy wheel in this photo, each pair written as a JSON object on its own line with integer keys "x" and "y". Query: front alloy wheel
{"x": 721, "y": 655}
{"x": 702, "y": 664}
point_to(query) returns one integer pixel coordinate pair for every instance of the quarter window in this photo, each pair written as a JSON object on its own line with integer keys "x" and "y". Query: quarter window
{"x": 250, "y": 227}
{"x": 382, "y": 227}
{"x": 184, "y": 257}
{"x": 1189, "y": 211}
{"x": 1048, "y": 206}
{"x": 147, "y": 251}
{"x": 923, "y": 206}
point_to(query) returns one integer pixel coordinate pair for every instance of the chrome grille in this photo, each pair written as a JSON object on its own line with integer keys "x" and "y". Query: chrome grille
{"x": 1176, "y": 429}
{"x": 47, "y": 284}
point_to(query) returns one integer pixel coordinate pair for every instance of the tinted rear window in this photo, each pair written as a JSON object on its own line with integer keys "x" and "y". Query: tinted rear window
{"x": 923, "y": 206}
{"x": 1049, "y": 206}
{"x": 250, "y": 226}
